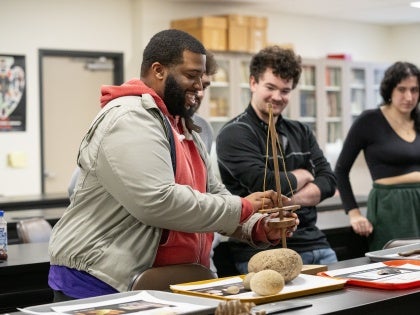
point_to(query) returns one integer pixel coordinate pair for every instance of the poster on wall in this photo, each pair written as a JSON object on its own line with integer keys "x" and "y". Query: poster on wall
{"x": 12, "y": 93}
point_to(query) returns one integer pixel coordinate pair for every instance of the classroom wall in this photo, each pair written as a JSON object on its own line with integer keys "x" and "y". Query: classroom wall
{"x": 27, "y": 25}
{"x": 126, "y": 26}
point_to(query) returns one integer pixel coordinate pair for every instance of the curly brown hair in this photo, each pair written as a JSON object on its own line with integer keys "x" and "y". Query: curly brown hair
{"x": 284, "y": 62}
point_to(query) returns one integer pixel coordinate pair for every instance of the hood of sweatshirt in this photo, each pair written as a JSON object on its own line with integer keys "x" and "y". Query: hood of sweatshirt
{"x": 132, "y": 87}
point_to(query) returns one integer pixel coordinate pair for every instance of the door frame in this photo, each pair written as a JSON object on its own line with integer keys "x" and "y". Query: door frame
{"x": 118, "y": 78}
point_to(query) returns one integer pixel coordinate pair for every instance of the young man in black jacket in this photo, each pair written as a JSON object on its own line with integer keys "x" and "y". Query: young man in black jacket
{"x": 305, "y": 176}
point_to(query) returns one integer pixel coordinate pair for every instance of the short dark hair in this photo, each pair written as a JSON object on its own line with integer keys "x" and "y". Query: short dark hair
{"x": 211, "y": 63}
{"x": 167, "y": 48}
{"x": 397, "y": 72}
{"x": 284, "y": 62}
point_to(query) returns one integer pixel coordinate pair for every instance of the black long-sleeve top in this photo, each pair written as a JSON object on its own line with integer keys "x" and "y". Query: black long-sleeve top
{"x": 386, "y": 153}
{"x": 241, "y": 150}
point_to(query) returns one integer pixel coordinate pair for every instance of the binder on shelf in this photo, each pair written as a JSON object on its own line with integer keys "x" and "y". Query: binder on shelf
{"x": 307, "y": 104}
{"x": 308, "y": 76}
{"x": 333, "y": 104}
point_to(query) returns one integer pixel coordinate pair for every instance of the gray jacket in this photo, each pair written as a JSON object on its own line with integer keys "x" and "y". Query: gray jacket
{"x": 126, "y": 194}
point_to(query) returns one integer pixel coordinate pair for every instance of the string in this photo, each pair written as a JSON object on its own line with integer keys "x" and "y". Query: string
{"x": 284, "y": 167}
{"x": 266, "y": 154}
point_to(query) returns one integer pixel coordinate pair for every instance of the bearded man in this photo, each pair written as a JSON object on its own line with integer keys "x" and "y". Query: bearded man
{"x": 146, "y": 195}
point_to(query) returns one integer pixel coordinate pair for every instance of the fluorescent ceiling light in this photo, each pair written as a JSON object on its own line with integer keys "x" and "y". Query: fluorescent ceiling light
{"x": 415, "y": 4}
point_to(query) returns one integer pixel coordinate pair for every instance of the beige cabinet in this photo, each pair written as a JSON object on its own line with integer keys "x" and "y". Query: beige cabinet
{"x": 229, "y": 94}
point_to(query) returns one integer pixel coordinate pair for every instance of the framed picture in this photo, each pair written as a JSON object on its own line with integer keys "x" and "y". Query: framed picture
{"x": 12, "y": 93}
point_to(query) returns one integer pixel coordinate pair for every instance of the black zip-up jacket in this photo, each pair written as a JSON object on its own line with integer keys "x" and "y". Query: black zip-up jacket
{"x": 241, "y": 149}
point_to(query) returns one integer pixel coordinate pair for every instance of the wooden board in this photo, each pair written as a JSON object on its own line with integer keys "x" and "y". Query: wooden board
{"x": 313, "y": 269}
{"x": 301, "y": 286}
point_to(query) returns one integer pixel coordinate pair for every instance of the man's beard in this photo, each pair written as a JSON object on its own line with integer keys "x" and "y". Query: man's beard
{"x": 174, "y": 98}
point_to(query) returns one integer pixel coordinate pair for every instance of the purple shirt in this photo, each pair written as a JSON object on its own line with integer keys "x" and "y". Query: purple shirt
{"x": 77, "y": 284}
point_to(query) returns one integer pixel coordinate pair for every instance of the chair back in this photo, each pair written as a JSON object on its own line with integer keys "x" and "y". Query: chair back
{"x": 397, "y": 242}
{"x": 160, "y": 278}
{"x": 35, "y": 230}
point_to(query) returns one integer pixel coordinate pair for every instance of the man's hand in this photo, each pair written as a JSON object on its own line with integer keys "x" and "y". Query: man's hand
{"x": 303, "y": 177}
{"x": 265, "y": 200}
{"x": 308, "y": 196}
{"x": 276, "y": 234}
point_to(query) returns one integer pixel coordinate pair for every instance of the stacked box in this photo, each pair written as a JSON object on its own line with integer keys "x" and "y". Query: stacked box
{"x": 257, "y": 33}
{"x": 227, "y": 32}
{"x": 237, "y": 33}
{"x": 210, "y": 30}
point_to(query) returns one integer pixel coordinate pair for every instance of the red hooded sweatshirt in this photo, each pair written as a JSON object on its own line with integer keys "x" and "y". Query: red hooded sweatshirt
{"x": 175, "y": 247}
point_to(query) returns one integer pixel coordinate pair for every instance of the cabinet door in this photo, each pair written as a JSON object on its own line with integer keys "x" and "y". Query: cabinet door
{"x": 364, "y": 83}
{"x": 378, "y": 71}
{"x": 244, "y": 91}
{"x": 219, "y": 91}
{"x": 303, "y": 105}
{"x": 358, "y": 89}
{"x": 229, "y": 93}
{"x": 333, "y": 102}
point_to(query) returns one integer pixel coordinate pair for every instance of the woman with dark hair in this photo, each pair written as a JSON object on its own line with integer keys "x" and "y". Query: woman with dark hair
{"x": 389, "y": 137}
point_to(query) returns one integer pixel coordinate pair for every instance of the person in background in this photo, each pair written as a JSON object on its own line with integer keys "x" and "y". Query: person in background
{"x": 305, "y": 175}
{"x": 146, "y": 195}
{"x": 389, "y": 137}
{"x": 206, "y": 132}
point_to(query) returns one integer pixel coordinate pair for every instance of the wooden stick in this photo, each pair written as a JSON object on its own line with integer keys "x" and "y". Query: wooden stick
{"x": 272, "y": 132}
{"x": 278, "y": 209}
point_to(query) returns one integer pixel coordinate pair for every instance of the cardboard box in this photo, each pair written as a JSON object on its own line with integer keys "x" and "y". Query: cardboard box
{"x": 257, "y": 33}
{"x": 210, "y": 30}
{"x": 237, "y": 33}
{"x": 231, "y": 32}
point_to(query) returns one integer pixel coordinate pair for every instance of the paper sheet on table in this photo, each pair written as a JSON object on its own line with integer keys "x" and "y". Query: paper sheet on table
{"x": 406, "y": 273}
{"x": 141, "y": 303}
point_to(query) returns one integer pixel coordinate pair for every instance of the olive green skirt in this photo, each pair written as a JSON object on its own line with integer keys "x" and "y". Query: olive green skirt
{"x": 394, "y": 211}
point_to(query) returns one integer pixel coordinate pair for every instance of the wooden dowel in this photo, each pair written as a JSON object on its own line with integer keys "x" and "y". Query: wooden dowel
{"x": 272, "y": 133}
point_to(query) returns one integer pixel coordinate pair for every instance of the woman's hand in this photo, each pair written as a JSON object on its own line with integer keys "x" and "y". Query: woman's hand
{"x": 359, "y": 223}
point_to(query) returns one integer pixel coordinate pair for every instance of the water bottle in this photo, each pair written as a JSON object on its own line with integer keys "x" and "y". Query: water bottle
{"x": 3, "y": 237}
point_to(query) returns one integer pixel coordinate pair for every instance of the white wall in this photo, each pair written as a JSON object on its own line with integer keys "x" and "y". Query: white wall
{"x": 126, "y": 26}
{"x": 404, "y": 43}
{"x": 27, "y": 25}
